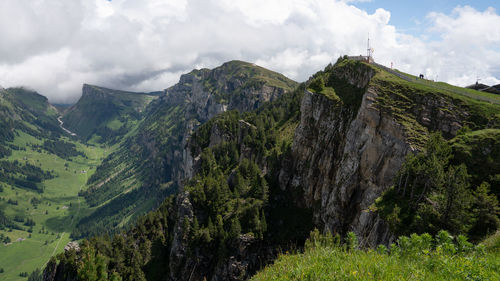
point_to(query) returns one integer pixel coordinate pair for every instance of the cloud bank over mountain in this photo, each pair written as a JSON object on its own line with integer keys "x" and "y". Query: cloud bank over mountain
{"x": 144, "y": 45}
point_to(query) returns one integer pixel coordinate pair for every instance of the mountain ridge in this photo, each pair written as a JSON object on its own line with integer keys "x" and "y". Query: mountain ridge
{"x": 107, "y": 90}
{"x": 237, "y": 162}
{"x": 155, "y": 156}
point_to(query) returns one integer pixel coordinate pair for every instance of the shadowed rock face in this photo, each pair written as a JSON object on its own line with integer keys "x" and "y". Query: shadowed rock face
{"x": 343, "y": 162}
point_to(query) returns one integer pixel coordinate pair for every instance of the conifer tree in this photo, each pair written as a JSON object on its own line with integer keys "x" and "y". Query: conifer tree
{"x": 486, "y": 211}
{"x": 235, "y": 227}
{"x": 88, "y": 268}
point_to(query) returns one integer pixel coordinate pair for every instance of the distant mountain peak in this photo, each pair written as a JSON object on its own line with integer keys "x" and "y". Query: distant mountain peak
{"x": 103, "y": 111}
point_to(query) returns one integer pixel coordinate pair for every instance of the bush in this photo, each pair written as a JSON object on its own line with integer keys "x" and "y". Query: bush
{"x": 352, "y": 241}
{"x": 317, "y": 84}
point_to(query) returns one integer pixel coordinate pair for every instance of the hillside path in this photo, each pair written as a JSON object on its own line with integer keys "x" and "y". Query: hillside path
{"x": 61, "y": 125}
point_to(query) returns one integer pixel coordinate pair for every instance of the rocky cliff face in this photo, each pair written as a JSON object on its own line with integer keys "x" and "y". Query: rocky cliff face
{"x": 180, "y": 265}
{"x": 206, "y": 93}
{"x": 343, "y": 159}
{"x": 234, "y": 85}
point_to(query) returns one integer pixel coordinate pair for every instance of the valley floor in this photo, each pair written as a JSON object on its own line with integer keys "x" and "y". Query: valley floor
{"x": 55, "y": 215}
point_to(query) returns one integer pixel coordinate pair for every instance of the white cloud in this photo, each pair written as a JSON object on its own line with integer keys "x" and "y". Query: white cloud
{"x": 29, "y": 28}
{"x": 144, "y": 45}
{"x": 469, "y": 45}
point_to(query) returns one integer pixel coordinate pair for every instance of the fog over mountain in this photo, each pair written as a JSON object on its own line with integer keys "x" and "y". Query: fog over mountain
{"x": 144, "y": 45}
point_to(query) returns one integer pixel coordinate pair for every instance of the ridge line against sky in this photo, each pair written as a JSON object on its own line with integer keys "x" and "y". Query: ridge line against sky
{"x": 145, "y": 45}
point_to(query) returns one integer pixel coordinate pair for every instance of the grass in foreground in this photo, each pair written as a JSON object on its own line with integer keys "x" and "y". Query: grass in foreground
{"x": 419, "y": 257}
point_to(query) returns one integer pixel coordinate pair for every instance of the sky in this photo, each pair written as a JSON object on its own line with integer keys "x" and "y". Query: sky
{"x": 55, "y": 46}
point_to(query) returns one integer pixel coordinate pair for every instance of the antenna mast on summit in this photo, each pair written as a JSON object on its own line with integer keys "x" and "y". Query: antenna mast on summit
{"x": 368, "y": 50}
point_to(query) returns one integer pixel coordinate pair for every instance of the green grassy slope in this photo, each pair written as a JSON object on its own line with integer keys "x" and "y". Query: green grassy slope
{"x": 465, "y": 95}
{"x": 126, "y": 184}
{"x": 485, "y": 96}
{"x": 26, "y": 111}
{"x": 257, "y": 74}
{"x": 415, "y": 258}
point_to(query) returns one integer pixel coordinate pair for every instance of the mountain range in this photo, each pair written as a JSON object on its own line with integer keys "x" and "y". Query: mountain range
{"x": 214, "y": 176}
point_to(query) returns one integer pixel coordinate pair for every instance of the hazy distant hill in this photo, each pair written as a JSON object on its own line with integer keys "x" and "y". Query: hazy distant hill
{"x": 106, "y": 114}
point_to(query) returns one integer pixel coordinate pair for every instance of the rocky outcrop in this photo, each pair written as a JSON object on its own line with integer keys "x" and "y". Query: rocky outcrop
{"x": 179, "y": 262}
{"x": 343, "y": 159}
{"x": 342, "y": 162}
{"x": 375, "y": 148}
{"x": 211, "y": 92}
{"x": 206, "y": 93}
{"x": 248, "y": 255}
{"x": 72, "y": 245}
